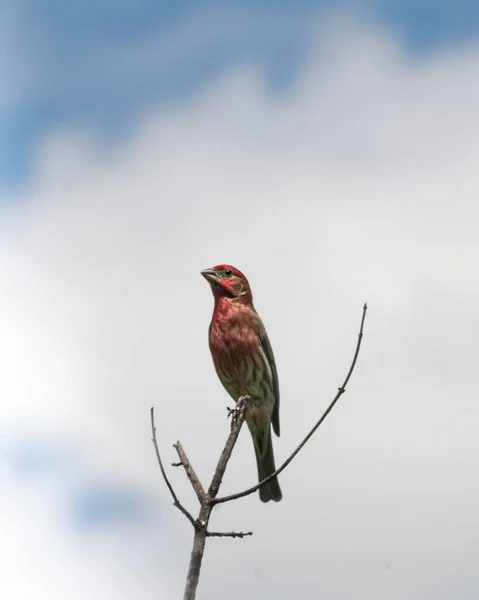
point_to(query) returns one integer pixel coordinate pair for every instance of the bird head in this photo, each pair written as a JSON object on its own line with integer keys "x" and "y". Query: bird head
{"x": 228, "y": 282}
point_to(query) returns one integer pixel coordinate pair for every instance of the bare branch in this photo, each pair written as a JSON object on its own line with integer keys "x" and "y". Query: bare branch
{"x": 340, "y": 392}
{"x": 176, "y": 502}
{"x": 231, "y": 534}
{"x": 237, "y": 420}
{"x": 209, "y": 499}
{"x": 198, "y": 550}
{"x": 190, "y": 473}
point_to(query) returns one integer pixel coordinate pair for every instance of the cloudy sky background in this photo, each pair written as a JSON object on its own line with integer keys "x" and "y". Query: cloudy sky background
{"x": 330, "y": 152}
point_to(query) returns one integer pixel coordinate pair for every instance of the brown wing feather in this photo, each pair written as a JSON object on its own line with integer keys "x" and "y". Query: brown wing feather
{"x": 266, "y": 346}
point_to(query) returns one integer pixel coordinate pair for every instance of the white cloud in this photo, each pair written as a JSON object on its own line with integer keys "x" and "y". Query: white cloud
{"x": 358, "y": 185}
{"x": 59, "y": 540}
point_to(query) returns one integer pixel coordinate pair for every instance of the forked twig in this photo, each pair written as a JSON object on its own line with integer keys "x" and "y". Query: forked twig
{"x": 209, "y": 499}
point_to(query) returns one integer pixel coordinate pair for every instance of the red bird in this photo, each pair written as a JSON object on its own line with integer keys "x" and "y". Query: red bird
{"x": 245, "y": 365}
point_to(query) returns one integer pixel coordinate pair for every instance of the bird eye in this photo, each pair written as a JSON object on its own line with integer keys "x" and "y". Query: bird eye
{"x": 228, "y": 272}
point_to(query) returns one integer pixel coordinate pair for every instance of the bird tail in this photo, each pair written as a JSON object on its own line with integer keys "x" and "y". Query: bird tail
{"x": 265, "y": 463}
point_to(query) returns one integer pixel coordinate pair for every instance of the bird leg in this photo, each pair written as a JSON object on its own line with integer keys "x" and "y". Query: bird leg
{"x": 234, "y": 413}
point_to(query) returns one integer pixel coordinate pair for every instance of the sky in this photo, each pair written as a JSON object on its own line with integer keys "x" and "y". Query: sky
{"x": 328, "y": 151}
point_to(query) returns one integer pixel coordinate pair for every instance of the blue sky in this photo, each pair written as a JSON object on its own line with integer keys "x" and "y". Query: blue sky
{"x": 99, "y": 65}
{"x": 329, "y": 144}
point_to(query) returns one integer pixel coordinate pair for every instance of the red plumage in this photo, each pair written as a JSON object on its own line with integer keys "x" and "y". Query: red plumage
{"x": 245, "y": 364}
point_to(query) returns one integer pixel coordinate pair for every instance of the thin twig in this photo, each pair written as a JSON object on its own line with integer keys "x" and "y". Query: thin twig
{"x": 340, "y": 392}
{"x": 237, "y": 419}
{"x": 190, "y": 472}
{"x": 231, "y": 534}
{"x": 176, "y": 502}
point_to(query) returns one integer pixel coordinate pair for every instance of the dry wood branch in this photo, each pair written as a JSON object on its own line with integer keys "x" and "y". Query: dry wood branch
{"x": 237, "y": 419}
{"x": 176, "y": 502}
{"x": 231, "y": 534}
{"x": 201, "y": 532}
{"x": 190, "y": 473}
{"x": 340, "y": 392}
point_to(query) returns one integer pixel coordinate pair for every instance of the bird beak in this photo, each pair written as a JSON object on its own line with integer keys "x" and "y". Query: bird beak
{"x": 210, "y": 275}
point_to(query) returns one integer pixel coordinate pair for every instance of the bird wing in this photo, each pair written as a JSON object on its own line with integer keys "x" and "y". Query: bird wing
{"x": 266, "y": 346}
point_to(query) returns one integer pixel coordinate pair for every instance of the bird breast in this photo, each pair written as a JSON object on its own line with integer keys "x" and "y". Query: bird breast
{"x": 233, "y": 330}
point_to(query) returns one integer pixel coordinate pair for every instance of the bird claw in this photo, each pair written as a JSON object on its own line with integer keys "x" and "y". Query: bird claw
{"x": 235, "y": 412}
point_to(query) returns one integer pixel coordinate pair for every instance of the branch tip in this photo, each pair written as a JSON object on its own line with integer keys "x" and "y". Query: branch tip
{"x": 176, "y": 502}
{"x": 339, "y": 393}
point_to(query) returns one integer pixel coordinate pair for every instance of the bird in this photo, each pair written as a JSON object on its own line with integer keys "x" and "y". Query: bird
{"x": 245, "y": 365}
